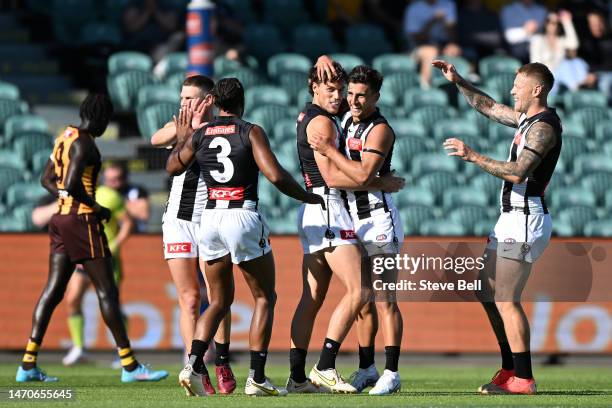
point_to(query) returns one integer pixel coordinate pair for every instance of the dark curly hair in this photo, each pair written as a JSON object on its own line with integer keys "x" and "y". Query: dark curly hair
{"x": 313, "y": 78}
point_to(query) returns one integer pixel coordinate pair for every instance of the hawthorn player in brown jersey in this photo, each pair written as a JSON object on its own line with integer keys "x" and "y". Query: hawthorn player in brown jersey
{"x": 77, "y": 236}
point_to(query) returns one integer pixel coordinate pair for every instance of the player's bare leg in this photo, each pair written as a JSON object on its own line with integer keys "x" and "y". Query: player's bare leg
{"x": 184, "y": 274}
{"x": 77, "y": 286}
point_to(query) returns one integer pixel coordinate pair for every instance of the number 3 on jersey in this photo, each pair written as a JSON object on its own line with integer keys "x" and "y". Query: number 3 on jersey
{"x": 222, "y": 157}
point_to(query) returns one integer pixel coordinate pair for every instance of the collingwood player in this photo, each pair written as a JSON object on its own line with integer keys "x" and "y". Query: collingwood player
{"x": 366, "y": 152}
{"x": 524, "y": 226}
{"x": 181, "y": 225}
{"x": 231, "y": 153}
{"x": 328, "y": 239}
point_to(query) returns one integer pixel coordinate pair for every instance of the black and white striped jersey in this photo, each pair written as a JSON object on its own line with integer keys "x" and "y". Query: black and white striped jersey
{"x": 225, "y": 156}
{"x": 187, "y": 196}
{"x": 528, "y": 196}
{"x": 354, "y": 135}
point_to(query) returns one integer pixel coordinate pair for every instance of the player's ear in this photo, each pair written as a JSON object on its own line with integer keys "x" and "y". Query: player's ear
{"x": 209, "y": 100}
{"x": 314, "y": 86}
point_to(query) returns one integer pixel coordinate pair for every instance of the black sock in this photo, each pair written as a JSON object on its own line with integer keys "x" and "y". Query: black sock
{"x": 328, "y": 354}
{"x": 196, "y": 357}
{"x": 366, "y": 356}
{"x": 297, "y": 364}
{"x": 392, "y": 354}
{"x": 222, "y": 357}
{"x": 506, "y": 354}
{"x": 522, "y": 364}
{"x": 258, "y": 363}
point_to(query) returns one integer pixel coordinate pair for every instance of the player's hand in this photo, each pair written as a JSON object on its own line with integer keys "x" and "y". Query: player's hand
{"x": 198, "y": 112}
{"x": 325, "y": 68}
{"x": 102, "y": 213}
{"x": 392, "y": 183}
{"x": 319, "y": 144}
{"x": 315, "y": 199}
{"x": 460, "y": 149}
{"x": 448, "y": 70}
{"x": 183, "y": 123}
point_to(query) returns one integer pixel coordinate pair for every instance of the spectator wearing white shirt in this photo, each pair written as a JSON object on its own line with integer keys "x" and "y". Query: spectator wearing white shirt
{"x": 520, "y": 21}
{"x": 429, "y": 26}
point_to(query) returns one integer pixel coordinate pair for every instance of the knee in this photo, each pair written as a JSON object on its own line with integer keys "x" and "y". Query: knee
{"x": 266, "y": 300}
{"x": 190, "y": 302}
{"x": 53, "y": 295}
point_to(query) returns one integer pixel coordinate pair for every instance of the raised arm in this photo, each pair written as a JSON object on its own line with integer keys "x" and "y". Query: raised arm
{"x": 273, "y": 171}
{"x": 540, "y": 139}
{"x": 479, "y": 100}
{"x": 165, "y": 136}
{"x": 323, "y": 131}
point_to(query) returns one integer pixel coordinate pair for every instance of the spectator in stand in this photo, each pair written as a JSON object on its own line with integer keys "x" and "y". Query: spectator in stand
{"x": 520, "y": 21}
{"x": 596, "y": 49}
{"x": 429, "y": 26}
{"x": 478, "y": 30}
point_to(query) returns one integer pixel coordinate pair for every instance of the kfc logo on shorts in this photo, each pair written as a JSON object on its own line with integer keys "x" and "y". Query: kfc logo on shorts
{"x": 226, "y": 193}
{"x": 381, "y": 237}
{"x": 347, "y": 234}
{"x": 220, "y": 130}
{"x": 179, "y": 248}
{"x": 354, "y": 144}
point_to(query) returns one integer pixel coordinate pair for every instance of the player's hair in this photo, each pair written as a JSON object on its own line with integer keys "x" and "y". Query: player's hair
{"x": 229, "y": 95}
{"x": 313, "y": 77}
{"x": 362, "y": 74}
{"x": 97, "y": 110}
{"x": 541, "y": 73}
{"x": 202, "y": 82}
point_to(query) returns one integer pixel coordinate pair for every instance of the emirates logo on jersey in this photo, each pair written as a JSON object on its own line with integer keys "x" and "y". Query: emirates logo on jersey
{"x": 220, "y": 130}
{"x": 354, "y": 144}
{"x": 179, "y": 248}
{"x": 226, "y": 193}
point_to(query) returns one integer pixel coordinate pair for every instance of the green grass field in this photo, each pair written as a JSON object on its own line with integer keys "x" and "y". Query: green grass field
{"x": 422, "y": 386}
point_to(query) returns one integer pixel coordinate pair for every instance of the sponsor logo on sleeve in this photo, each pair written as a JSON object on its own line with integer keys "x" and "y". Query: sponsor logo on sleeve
{"x": 179, "y": 248}
{"x": 354, "y": 144}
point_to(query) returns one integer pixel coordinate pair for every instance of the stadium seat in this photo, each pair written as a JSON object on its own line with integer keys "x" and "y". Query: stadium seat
{"x": 484, "y": 227}
{"x": 9, "y": 91}
{"x": 287, "y": 62}
{"x": 23, "y": 123}
{"x": 129, "y": 61}
{"x": 442, "y": 228}
{"x": 572, "y": 196}
{"x": 387, "y": 104}
{"x": 287, "y": 154}
{"x": 68, "y": 18}
{"x": 588, "y": 117}
{"x": 573, "y": 128}
{"x": 348, "y": 61}
{"x": 414, "y": 195}
{"x": 502, "y": 84}
{"x": 256, "y": 35}
{"x": 427, "y": 163}
{"x": 563, "y": 228}
{"x": 497, "y": 64}
{"x": 247, "y": 77}
{"x": 9, "y": 107}
{"x": 599, "y": 228}
{"x": 413, "y": 216}
{"x": 20, "y": 193}
{"x": 416, "y": 98}
{"x": 242, "y": 9}
{"x": 303, "y": 97}
{"x": 314, "y": 40}
{"x": 152, "y": 94}
{"x": 154, "y": 116}
{"x": 572, "y": 148}
{"x": 489, "y": 184}
{"x": 607, "y": 148}
{"x": 9, "y": 176}
{"x": 407, "y": 128}
{"x": 175, "y": 81}
{"x": 577, "y": 217}
{"x": 439, "y": 181}
{"x": 8, "y": 159}
{"x": 468, "y": 216}
{"x": 124, "y": 87}
{"x": 294, "y": 83}
{"x": 454, "y": 197}
{"x": 100, "y": 33}
{"x": 406, "y": 148}
{"x": 457, "y": 128}
{"x": 284, "y": 131}
{"x": 480, "y": 120}
{"x": 590, "y": 163}
{"x": 428, "y": 116}
{"x": 284, "y": 14}
{"x": 584, "y": 98}
{"x": 173, "y": 63}
{"x": 603, "y": 131}
{"x": 599, "y": 183}
{"x": 461, "y": 65}
{"x": 19, "y": 220}
{"x": 223, "y": 65}
{"x": 367, "y": 41}
{"x": 608, "y": 200}
{"x": 500, "y": 133}
{"x": 265, "y": 95}
{"x": 38, "y": 163}
{"x": 388, "y": 64}
{"x": 397, "y": 84}
{"x": 267, "y": 116}
{"x": 27, "y": 143}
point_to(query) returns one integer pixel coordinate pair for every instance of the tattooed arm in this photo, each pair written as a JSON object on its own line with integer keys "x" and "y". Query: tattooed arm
{"x": 479, "y": 100}
{"x": 540, "y": 139}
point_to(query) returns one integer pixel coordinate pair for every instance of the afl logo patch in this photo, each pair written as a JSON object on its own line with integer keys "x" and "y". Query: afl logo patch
{"x": 381, "y": 237}
{"x": 510, "y": 241}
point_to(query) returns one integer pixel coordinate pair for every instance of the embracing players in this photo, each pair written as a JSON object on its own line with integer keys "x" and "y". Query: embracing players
{"x": 524, "y": 226}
